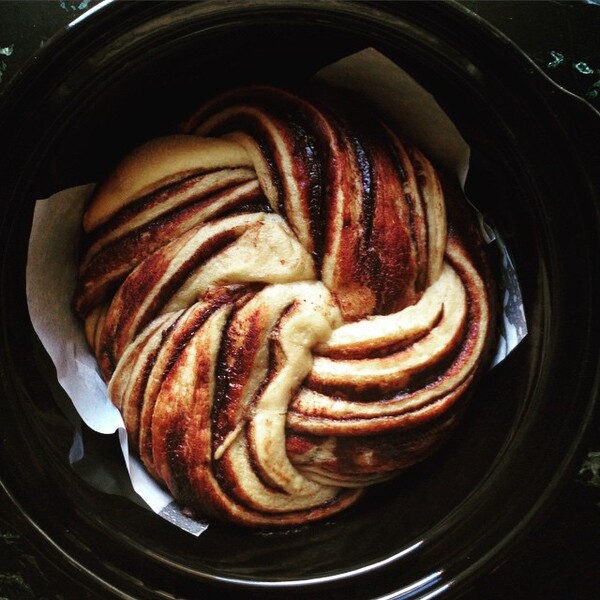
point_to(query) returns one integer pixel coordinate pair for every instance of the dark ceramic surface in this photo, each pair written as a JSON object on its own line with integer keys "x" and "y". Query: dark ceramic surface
{"x": 557, "y": 555}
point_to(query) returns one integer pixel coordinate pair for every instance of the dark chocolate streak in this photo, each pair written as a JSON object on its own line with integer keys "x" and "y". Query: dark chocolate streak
{"x": 421, "y": 280}
{"x": 208, "y": 250}
{"x": 355, "y": 127}
{"x": 274, "y": 359}
{"x": 255, "y": 129}
{"x": 185, "y": 335}
{"x": 313, "y": 148}
{"x": 274, "y": 174}
{"x": 419, "y": 382}
{"x": 219, "y": 416}
{"x": 306, "y": 150}
{"x": 425, "y": 381}
{"x": 429, "y": 378}
{"x": 181, "y": 338}
{"x": 310, "y": 149}
{"x": 231, "y": 189}
{"x": 133, "y": 236}
{"x": 419, "y": 379}
{"x": 222, "y": 379}
{"x": 155, "y": 197}
{"x": 367, "y": 181}
{"x": 180, "y": 482}
{"x": 147, "y": 370}
{"x": 383, "y": 349}
{"x": 122, "y": 254}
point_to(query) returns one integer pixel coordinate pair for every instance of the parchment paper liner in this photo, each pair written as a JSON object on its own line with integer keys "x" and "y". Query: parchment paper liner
{"x": 52, "y": 261}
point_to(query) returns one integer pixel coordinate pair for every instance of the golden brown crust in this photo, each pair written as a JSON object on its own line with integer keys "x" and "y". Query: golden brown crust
{"x": 280, "y": 309}
{"x": 155, "y": 163}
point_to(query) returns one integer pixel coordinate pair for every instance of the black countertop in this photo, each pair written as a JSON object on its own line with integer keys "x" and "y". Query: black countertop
{"x": 560, "y": 557}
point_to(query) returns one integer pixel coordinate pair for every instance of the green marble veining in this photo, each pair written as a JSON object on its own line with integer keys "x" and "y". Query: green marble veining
{"x": 5, "y": 51}
{"x": 556, "y": 59}
{"x": 22, "y": 576}
{"x": 590, "y": 470}
{"x": 583, "y": 68}
{"x": 580, "y": 76}
{"x": 74, "y": 6}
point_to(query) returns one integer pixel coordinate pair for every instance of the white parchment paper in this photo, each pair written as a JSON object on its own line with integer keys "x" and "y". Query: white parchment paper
{"x": 52, "y": 260}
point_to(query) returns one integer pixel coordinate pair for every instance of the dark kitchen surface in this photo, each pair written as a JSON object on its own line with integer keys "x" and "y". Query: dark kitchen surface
{"x": 560, "y": 557}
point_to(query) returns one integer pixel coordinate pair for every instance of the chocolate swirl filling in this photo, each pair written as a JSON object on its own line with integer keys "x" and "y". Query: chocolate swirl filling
{"x": 279, "y": 307}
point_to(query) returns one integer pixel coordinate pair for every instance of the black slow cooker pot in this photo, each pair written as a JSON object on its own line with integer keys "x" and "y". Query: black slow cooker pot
{"x": 126, "y": 72}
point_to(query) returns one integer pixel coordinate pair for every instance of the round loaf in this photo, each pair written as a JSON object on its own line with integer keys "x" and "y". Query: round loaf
{"x": 282, "y": 306}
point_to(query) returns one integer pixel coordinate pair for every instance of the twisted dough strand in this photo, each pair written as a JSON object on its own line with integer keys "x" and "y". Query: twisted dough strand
{"x": 278, "y": 306}
{"x": 368, "y": 207}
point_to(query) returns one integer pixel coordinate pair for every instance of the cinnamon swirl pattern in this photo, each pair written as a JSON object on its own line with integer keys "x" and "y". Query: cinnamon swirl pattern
{"x": 282, "y": 310}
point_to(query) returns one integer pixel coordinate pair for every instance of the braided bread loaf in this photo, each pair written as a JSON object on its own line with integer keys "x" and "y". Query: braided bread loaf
{"x": 279, "y": 308}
